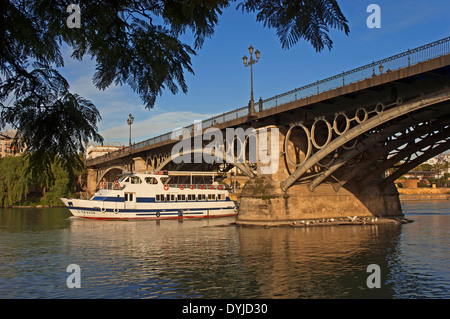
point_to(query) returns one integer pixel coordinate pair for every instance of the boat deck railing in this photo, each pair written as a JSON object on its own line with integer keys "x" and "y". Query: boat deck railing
{"x": 111, "y": 185}
{"x": 197, "y": 186}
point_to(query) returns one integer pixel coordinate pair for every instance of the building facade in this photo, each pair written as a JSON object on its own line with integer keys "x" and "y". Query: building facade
{"x": 10, "y": 144}
{"x": 96, "y": 151}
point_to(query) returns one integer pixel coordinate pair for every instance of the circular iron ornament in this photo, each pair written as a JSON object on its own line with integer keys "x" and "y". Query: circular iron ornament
{"x": 366, "y": 115}
{"x": 286, "y": 139}
{"x": 352, "y": 146}
{"x": 335, "y": 124}
{"x": 328, "y": 164}
{"x": 379, "y": 108}
{"x": 313, "y": 129}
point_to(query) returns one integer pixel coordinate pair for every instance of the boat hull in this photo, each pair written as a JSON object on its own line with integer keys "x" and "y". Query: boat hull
{"x": 98, "y": 210}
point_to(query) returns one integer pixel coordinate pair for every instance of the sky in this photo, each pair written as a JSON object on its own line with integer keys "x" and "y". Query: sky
{"x": 221, "y": 83}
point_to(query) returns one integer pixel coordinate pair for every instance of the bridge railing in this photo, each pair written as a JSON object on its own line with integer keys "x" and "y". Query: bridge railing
{"x": 399, "y": 61}
{"x": 218, "y": 119}
{"x": 402, "y": 60}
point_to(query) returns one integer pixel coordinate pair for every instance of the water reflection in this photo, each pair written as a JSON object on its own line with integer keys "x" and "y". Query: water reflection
{"x": 33, "y": 219}
{"x": 318, "y": 262}
{"x": 215, "y": 259}
{"x": 171, "y": 259}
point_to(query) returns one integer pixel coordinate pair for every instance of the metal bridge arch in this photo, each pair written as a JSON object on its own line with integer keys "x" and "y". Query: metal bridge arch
{"x": 366, "y": 124}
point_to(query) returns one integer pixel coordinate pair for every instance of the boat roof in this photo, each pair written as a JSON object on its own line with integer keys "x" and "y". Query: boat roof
{"x": 173, "y": 173}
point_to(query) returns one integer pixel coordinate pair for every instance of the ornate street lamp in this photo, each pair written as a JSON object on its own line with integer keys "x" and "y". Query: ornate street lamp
{"x": 130, "y": 121}
{"x": 251, "y": 111}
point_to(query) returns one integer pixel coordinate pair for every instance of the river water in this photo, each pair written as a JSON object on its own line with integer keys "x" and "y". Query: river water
{"x": 213, "y": 259}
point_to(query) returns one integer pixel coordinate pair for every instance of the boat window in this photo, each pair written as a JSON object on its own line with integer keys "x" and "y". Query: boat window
{"x": 201, "y": 196}
{"x": 191, "y": 197}
{"x": 221, "y": 196}
{"x": 164, "y": 180}
{"x": 151, "y": 180}
{"x": 171, "y": 197}
{"x": 181, "y": 197}
{"x": 211, "y": 197}
{"x": 135, "y": 180}
{"x": 129, "y": 197}
{"x": 160, "y": 197}
{"x": 122, "y": 179}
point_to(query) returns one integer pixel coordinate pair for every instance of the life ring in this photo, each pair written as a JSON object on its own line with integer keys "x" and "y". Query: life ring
{"x": 220, "y": 187}
{"x": 211, "y": 186}
{"x": 166, "y": 187}
{"x": 104, "y": 185}
{"x": 191, "y": 186}
{"x": 202, "y": 186}
{"x": 182, "y": 187}
{"x": 116, "y": 185}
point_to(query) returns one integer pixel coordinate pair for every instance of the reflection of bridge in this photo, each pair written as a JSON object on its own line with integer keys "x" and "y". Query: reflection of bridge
{"x": 337, "y": 138}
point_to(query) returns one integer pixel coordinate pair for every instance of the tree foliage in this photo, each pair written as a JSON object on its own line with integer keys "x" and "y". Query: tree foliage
{"x": 136, "y": 43}
{"x": 15, "y": 183}
{"x": 300, "y": 19}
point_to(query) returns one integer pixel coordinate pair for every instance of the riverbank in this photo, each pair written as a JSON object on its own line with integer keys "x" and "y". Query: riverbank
{"x": 405, "y": 194}
{"x": 34, "y": 206}
{"x": 421, "y": 194}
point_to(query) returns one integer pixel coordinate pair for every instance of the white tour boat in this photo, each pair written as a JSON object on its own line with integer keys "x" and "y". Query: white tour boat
{"x": 150, "y": 196}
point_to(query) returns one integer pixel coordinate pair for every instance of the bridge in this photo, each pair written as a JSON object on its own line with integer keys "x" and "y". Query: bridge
{"x": 335, "y": 141}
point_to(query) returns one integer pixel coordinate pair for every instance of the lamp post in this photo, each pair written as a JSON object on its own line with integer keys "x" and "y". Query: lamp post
{"x": 130, "y": 121}
{"x": 247, "y": 62}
